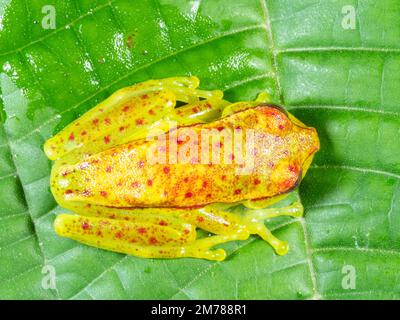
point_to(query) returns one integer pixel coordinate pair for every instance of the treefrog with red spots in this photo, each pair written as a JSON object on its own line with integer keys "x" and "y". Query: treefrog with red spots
{"x": 147, "y": 167}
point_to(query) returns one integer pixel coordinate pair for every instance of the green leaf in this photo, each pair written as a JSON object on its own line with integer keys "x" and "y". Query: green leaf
{"x": 345, "y": 82}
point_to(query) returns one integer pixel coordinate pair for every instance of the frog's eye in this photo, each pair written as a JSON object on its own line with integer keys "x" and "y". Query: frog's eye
{"x": 276, "y": 118}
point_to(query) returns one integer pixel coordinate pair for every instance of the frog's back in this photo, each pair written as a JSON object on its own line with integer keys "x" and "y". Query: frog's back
{"x": 261, "y": 154}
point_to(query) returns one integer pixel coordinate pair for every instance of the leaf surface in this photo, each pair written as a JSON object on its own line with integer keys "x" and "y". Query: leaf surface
{"x": 346, "y": 83}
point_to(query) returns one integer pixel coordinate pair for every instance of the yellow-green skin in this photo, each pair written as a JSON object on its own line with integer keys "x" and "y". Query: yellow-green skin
{"x": 129, "y": 203}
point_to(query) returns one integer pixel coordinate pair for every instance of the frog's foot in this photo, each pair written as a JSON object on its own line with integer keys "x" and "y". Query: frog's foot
{"x": 148, "y": 236}
{"x": 214, "y": 219}
{"x": 254, "y": 220}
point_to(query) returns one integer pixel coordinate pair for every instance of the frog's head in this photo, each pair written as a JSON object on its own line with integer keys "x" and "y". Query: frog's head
{"x": 289, "y": 144}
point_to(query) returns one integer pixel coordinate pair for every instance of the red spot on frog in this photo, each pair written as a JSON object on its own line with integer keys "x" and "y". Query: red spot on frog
{"x": 166, "y": 170}
{"x": 83, "y": 133}
{"x": 107, "y": 139}
{"x": 103, "y": 193}
{"x": 149, "y": 182}
{"x": 86, "y": 193}
{"x": 238, "y": 191}
{"x": 85, "y": 225}
{"x": 108, "y": 169}
{"x": 107, "y": 121}
{"x": 220, "y": 128}
{"x": 257, "y": 181}
{"x": 95, "y": 122}
{"x": 69, "y": 191}
{"x": 188, "y": 195}
{"x": 71, "y": 137}
{"x": 139, "y": 122}
{"x": 163, "y": 223}
{"x": 200, "y": 219}
{"x": 119, "y": 235}
{"x": 205, "y": 183}
{"x": 142, "y": 230}
{"x": 145, "y": 96}
{"x": 125, "y": 109}
{"x": 153, "y": 240}
{"x": 141, "y": 164}
{"x": 121, "y": 128}
{"x": 65, "y": 173}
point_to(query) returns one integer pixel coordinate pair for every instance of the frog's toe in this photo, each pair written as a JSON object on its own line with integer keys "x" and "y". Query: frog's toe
{"x": 282, "y": 248}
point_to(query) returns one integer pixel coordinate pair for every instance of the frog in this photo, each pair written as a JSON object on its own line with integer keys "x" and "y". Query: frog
{"x": 120, "y": 199}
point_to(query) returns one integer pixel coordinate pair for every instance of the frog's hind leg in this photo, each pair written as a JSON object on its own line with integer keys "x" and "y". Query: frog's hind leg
{"x": 147, "y": 232}
{"x": 149, "y": 236}
{"x": 170, "y": 232}
{"x": 132, "y": 112}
